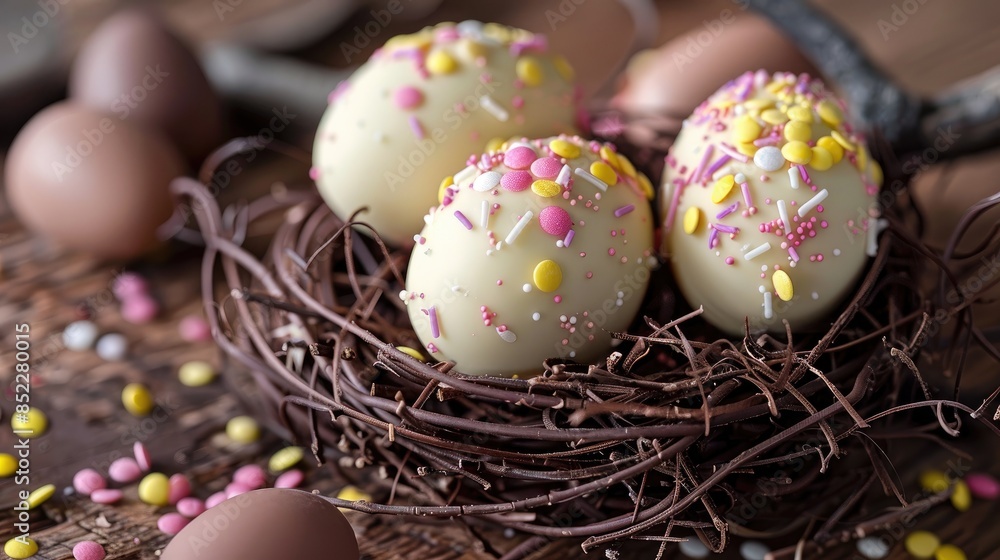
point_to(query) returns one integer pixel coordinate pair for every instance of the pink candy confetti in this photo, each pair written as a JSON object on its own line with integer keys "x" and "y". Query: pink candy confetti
{"x": 555, "y": 221}
{"x": 129, "y": 285}
{"x": 234, "y": 489}
{"x": 142, "y": 457}
{"x": 290, "y": 479}
{"x": 194, "y": 328}
{"x": 519, "y": 157}
{"x": 408, "y": 97}
{"x": 172, "y": 523}
{"x": 190, "y": 507}
{"x": 106, "y": 496}
{"x": 516, "y": 181}
{"x": 251, "y": 476}
{"x": 140, "y": 310}
{"x": 88, "y": 480}
{"x": 983, "y": 486}
{"x": 180, "y": 488}
{"x": 88, "y": 550}
{"x": 215, "y": 499}
{"x": 546, "y": 167}
{"x": 124, "y": 470}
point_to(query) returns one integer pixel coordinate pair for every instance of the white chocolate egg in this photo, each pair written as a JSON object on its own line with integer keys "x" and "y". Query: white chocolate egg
{"x": 536, "y": 251}
{"x": 425, "y": 103}
{"x": 769, "y": 204}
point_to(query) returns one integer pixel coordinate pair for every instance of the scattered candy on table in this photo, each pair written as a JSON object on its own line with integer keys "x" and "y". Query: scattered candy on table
{"x": 124, "y": 470}
{"x": 112, "y": 347}
{"x": 106, "y": 496}
{"x": 8, "y": 465}
{"x": 243, "y": 429}
{"x": 142, "y": 457}
{"x": 353, "y": 494}
{"x": 754, "y": 550}
{"x": 41, "y": 495}
{"x": 19, "y": 548}
{"x": 88, "y": 550}
{"x": 140, "y": 310}
{"x": 215, "y": 499}
{"x": 80, "y": 335}
{"x": 172, "y": 523}
{"x": 949, "y": 552}
{"x": 873, "y": 548}
{"x": 190, "y": 507}
{"x": 961, "y": 496}
{"x": 196, "y": 373}
{"x": 934, "y": 481}
{"x": 289, "y": 479}
{"x": 137, "y": 399}
{"x": 693, "y": 548}
{"x": 154, "y": 489}
{"x": 284, "y": 459}
{"x": 922, "y": 544}
{"x": 30, "y": 424}
{"x": 129, "y": 285}
{"x": 194, "y": 328}
{"x": 88, "y": 480}
{"x": 251, "y": 476}
{"x": 180, "y": 488}
{"x": 983, "y": 486}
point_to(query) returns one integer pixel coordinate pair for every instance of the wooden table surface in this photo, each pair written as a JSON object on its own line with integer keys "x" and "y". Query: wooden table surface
{"x": 941, "y": 43}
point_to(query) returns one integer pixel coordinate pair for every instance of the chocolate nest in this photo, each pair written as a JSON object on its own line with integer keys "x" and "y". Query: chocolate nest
{"x": 673, "y": 433}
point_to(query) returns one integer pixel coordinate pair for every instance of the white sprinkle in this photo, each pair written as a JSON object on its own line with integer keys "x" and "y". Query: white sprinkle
{"x": 499, "y": 245}
{"x": 460, "y": 290}
{"x": 112, "y": 347}
{"x": 619, "y": 302}
{"x": 466, "y": 173}
{"x": 518, "y": 228}
{"x": 486, "y": 182}
{"x": 507, "y": 335}
{"x": 402, "y": 295}
{"x": 80, "y": 335}
{"x": 815, "y": 295}
{"x": 572, "y": 320}
{"x": 836, "y": 252}
{"x": 761, "y": 289}
{"x": 769, "y": 158}
{"x": 722, "y": 173}
{"x": 563, "y": 177}
{"x": 874, "y": 228}
{"x": 563, "y": 318}
{"x": 768, "y": 310}
{"x": 692, "y": 548}
{"x": 572, "y": 353}
{"x": 559, "y": 243}
{"x": 740, "y": 178}
{"x": 813, "y": 202}
{"x": 760, "y": 250}
{"x": 536, "y": 316}
{"x": 494, "y": 108}
{"x": 470, "y": 28}
{"x": 526, "y": 288}
{"x": 793, "y": 177}
{"x": 754, "y": 550}
{"x": 484, "y": 216}
{"x": 874, "y": 548}
{"x": 584, "y": 174}
{"x": 783, "y": 214}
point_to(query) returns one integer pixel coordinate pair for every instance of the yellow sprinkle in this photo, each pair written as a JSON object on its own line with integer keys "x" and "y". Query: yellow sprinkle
{"x": 775, "y": 86}
{"x": 196, "y": 373}
{"x": 413, "y": 353}
{"x": 564, "y": 68}
{"x": 774, "y": 116}
{"x": 445, "y": 183}
{"x": 722, "y": 188}
{"x": 797, "y": 152}
{"x": 862, "y": 159}
{"x": 949, "y": 552}
{"x": 934, "y": 481}
{"x": 154, "y": 489}
{"x": 284, "y": 459}
{"x": 495, "y": 144}
{"x": 961, "y": 496}
{"x": 412, "y": 41}
{"x": 831, "y": 145}
{"x": 691, "y": 220}
{"x": 546, "y": 188}
{"x": 472, "y": 50}
{"x": 19, "y": 549}
{"x": 746, "y": 148}
{"x": 564, "y": 148}
{"x": 782, "y": 285}
{"x": 137, "y": 399}
{"x": 647, "y": 186}
{"x": 8, "y": 465}
{"x": 798, "y": 130}
{"x": 830, "y": 113}
{"x": 876, "y": 173}
{"x": 41, "y": 495}
{"x": 440, "y": 62}
{"x": 800, "y": 114}
{"x": 610, "y": 157}
{"x": 758, "y": 104}
{"x": 529, "y": 71}
{"x": 821, "y": 159}
{"x": 243, "y": 429}
{"x": 627, "y": 168}
{"x": 547, "y": 276}
{"x": 843, "y": 141}
{"x": 922, "y": 544}
{"x": 353, "y": 494}
{"x": 746, "y": 129}
{"x": 604, "y": 172}
{"x": 29, "y": 424}
{"x": 501, "y": 33}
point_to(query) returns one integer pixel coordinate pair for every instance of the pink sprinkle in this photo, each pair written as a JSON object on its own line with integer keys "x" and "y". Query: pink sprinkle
{"x": 88, "y": 550}
{"x": 129, "y": 285}
{"x": 463, "y": 220}
{"x": 314, "y": 173}
{"x": 446, "y": 34}
{"x": 341, "y": 89}
{"x": 624, "y": 210}
{"x": 569, "y": 238}
{"x": 546, "y": 167}
{"x": 731, "y": 152}
{"x": 555, "y": 221}
{"x": 730, "y": 260}
{"x": 516, "y": 181}
{"x": 289, "y": 479}
{"x": 713, "y": 238}
{"x": 517, "y": 102}
{"x": 675, "y": 199}
{"x": 140, "y": 310}
{"x": 142, "y": 457}
{"x": 416, "y": 127}
{"x": 519, "y": 157}
{"x": 234, "y": 489}
{"x": 194, "y": 328}
{"x": 88, "y": 480}
{"x": 794, "y": 254}
{"x": 746, "y": 194}
{"x": 180, "y": 488}
{"x": 724, "y": 228}
{"x": 106, "y": 496}
{"x": 172, "y": 523}
{"x": 190, "y": 507}
{"x": 701, "y": 164}
{"x": 435, "y": 328}
{"x": 983, "y": 486}
{"x": 803, "y": 173}
{"x": 251, "y": 476}
{"x": 215, "y": 499}
{"x": 717, "y": 165}
{"x": 766, "y": 141}
{"x": 557, "y": 299}
{"x": 727, "y": 211}
{"x": 124, "y": 470}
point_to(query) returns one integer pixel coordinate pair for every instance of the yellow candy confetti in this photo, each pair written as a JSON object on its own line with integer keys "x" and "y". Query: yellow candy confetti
{"x": 564, "y": 148}
{"x": 472, "y": 50}
{"x": 876, "y": 173}
{"x": 445, "y": 183}
{"x": 922, "y": 544}
{"x": 758, "y": 104}
{"x": 604, "y": 172}
{"x": 546, "y": 188}
{"x": 782, "y": 285}
{"x": 798, "y": 130}
{"x": 501, "y": 33}
{"x": 934, "y": 481}
{"x": 8, "y": 465}
{"x": 137, "y": 399}
{"x": 19, "y": 548}
{"x": 799, "y": 113}
{"x": 440, "y": 62}
{"x": 411, "y": 352}
{"x": 862, "y": 160}
{"x": 830, "y": 113}
{"x": 196, "y": 373}
{"x": 529, "y": 71}
{"x": 961, "y": 496}
{"x": 41, "y": 495}
{"x": 797, "y": 152}
{"x": 843, "y": 141}
{"x": 29, "y": 424}
{"x": 243, "y": 429}
{"x": 821, "y": 159}
{"x": 412, "y": 41}
{"x": 722, "y": 188}
{"x": 831, "y": 145}
{"x": 547, "y": 276}
{"x": 610, "y": 157}
{"x": 564, "y": 68}
{"x": 691, "y": 220}
{"x": 774, "y": 116}
{"x": 284, "y": 459}
{"x": 495, "y": 145}
{"x": 154, "y": 489}
{"x": 647, "y": 186}
{"x": 747, "y": 148}
{"x": 746, "y": 129}
{"x": 353, "y": 494}
{"x": 949, "y": 552}
{"x": 627, "y": 168}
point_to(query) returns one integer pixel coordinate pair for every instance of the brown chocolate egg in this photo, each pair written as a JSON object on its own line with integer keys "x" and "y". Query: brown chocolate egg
{"x": 91, "y": 181}
{"x": 136, "y": 69}
{"x": 265, "y": 525}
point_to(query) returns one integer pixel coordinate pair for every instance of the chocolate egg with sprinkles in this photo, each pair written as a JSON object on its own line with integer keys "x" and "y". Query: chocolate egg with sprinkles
{"x": 425, "y": 103}
{"x": 769, "y": 201}
{"x": 538, "y": 249}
